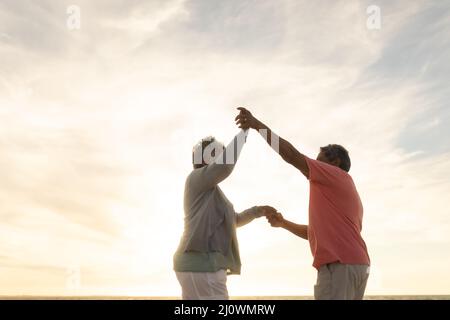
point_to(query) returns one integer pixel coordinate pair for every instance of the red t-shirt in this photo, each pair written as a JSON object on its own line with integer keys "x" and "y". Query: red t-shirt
{"x": 335, "y": 216}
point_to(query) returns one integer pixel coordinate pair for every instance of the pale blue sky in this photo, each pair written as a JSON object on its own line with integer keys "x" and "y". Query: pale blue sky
{"x": 98, "y": 126}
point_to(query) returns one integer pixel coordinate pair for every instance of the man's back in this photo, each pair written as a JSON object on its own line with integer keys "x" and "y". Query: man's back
{"x": 335, "y": 216}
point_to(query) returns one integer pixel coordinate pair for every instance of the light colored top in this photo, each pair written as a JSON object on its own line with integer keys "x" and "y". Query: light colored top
{"x": 209, "y": 241}
{"x": 335, "y": 217}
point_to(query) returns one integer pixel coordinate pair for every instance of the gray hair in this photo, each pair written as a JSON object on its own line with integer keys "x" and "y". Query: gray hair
{"x": 334, "y": 151}
{"x": 202, "y": 151}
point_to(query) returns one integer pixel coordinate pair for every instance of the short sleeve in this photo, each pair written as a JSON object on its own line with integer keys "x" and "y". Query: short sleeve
{"x": 323, "y": 173}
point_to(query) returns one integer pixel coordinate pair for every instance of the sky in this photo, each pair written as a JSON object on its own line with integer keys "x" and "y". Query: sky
{"x": 99, "y": 116}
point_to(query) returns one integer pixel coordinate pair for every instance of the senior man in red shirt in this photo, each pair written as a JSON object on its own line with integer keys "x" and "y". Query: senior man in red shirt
{"x": 335, "y": 216}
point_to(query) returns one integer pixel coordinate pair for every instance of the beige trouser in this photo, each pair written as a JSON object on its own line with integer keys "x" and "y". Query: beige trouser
{"x": 336, "y": 281}
{"x": 203, "y": 285}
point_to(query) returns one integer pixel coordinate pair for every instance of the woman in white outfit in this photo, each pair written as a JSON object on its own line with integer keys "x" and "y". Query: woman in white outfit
{"x": 208, "y": 249}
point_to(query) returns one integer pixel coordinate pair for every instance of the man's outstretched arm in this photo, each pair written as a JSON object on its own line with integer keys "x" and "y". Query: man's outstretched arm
{"x": 277, "y": 220}
{"x": 286, "y": 150}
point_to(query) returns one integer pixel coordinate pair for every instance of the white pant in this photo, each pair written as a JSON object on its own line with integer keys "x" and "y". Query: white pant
{"x": 203, "y": 285}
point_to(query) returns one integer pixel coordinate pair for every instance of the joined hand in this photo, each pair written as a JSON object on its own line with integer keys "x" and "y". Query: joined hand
{"x": 276, "y": 219}
{"x": 267, "y": 211}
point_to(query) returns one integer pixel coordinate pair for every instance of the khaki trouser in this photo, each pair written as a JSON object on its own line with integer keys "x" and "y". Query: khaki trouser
{"x": 336, "y": 281}
{"x": 203, "y": 285}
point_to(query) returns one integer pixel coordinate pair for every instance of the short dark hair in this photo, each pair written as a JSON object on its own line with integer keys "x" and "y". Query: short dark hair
{"x": 333, "y": 151}
{"x": 200, "y": 147}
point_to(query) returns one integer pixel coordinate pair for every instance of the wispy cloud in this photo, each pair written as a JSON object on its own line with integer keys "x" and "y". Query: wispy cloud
{"x": 98, "y": 125}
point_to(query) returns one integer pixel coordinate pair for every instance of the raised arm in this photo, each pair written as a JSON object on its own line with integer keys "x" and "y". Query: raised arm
{"x": 277, "y": 220}
{"x": 284, "y": 148}
{"x": 222, "y": 166}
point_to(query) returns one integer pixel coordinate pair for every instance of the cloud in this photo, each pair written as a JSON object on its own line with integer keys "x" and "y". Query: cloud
{"x": 98, "y": 126}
